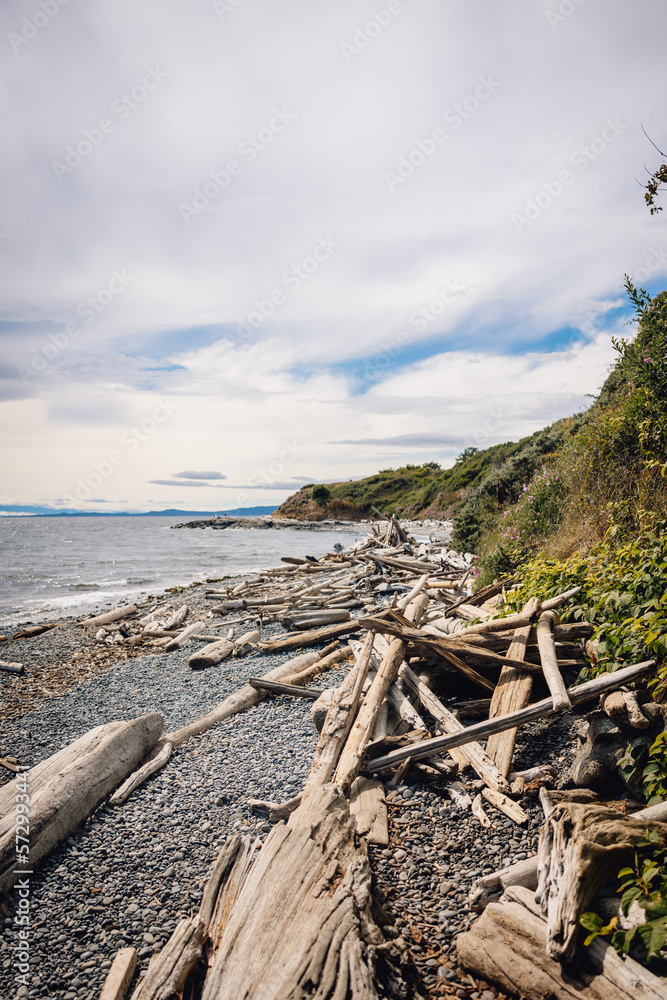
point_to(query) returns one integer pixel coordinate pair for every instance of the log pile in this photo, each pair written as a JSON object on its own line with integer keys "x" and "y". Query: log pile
{"x": 294, "y": 917}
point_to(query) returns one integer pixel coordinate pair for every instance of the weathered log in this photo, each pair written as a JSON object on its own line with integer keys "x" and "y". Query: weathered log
{"x": 283, "y": 643}
{"x": 297, "y": 929}
{"x": 301, "y": 622}
{"x": 119, "y": 975}
{"x": 176, "y": 617}
{"x": 368, "y": 809}
{"x": 477, "y": 810}
{"x": 580, "y": 693}
{"x": 581, "y": 845}
{"x": 506, "y": 946}
{"x": 153, "y": 764}
{"x": 319, "y": 666}
{"x": 552, "y": 674}
{"x": 490, "y": 887}
{"x": 11, "y": 667}
{"x": 512, "y": 693}
{"x": 110, "y": 616}
{"x": 66, "y": 788}
{"x": 211, "y": 655}
{"x": 278, "y": 688}
{"x": 184, "y": 635}
{"x": 472, "y": 754}
{"x": 506, "y": 805}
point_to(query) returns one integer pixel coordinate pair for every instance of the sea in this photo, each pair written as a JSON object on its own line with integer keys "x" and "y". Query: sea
{"x": 53, "y": 567}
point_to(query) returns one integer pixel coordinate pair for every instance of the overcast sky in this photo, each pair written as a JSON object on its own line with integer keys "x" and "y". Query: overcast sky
{"x": 247, "y": 245}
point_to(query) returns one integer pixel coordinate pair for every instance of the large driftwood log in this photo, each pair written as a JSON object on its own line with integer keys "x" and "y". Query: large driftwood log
{"x": 65, "y": 789}
{"x": 507, "y": 946}
{"x": 302, "y": 924}
{"x": 211, "y": 655}
{"x": 512, "y": 693}
{"x": 578, "y": 694}
{"x": 581, "y": 845}
{"x": 119, "y": 975}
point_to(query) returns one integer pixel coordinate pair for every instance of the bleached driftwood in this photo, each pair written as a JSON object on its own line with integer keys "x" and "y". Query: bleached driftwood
{"x": 67, "y": 787}
{"x": 368, "y": 809}
{"x": 507, "y": 946}
{"x": 284, "y": 643}
{"x": 153, "y": 764}
{"x": 275, "y": 687}
{"x": 352, "y": 753}
{"x": 119, "y": 975}
{"x": 211, "y": 655}
{"x": 183, "y": 636}
{"x": 581, "y": 845}
{"x": 472, "y": 754}
{"x": 512, "y": 693}
{"x": 578, "y": 694}
{"x": 549, "y": 660}
{"x": 110, "y": 616}
{"x": 302, "y": 924}
{"x": 11, "y": 667}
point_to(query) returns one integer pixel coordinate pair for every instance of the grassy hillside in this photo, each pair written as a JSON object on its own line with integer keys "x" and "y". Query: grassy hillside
{"x": 429, "y": 490}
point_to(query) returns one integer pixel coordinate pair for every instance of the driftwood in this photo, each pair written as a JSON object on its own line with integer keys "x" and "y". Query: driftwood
{"x": 580, "y": 693}
{"x": 153, "y": 764}
{"x": 277, "y": 688}
{"x": 507, "y": 946}
{"x": 506, "y": 805}
{"x": 472, "y": 754}
{"x": 512, "y": 693}
{"x": 10, "y": 667}
{"x": 110, "y": 616}
{"x": 211, "y": 655}
{"x": 351, "y": 756}
{"x": 183, "y": 636}
{"x": 368, "y": 809}
{"x": 339, "y": 718}
{"x": 490, "y": 887}
{"x": 284, "y": 643}
{"x": 298, "y": 929}
{"x": 67, "y": 787}
{"x": 119, "y": 975}
{"x": 581, "y": 845}
{"x": 549, "y": 660}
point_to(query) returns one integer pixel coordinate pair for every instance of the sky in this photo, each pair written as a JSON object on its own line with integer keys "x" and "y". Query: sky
{"x": 248, "y": 245}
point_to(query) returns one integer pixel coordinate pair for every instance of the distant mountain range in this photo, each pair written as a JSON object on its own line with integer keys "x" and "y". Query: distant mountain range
{"x": 25, "y": 510}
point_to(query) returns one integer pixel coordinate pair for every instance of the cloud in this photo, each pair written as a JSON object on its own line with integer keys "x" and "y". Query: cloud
{"x": 199, "y": 475}
{"x": 175, "y": 482}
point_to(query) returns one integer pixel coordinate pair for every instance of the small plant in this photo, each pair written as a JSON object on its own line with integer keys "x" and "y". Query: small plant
{"x": 644, "y": 883}
{"x": 321, "y": 494}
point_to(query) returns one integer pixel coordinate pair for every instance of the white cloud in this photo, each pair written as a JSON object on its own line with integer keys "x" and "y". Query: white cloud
{"x": 478, "y": 369}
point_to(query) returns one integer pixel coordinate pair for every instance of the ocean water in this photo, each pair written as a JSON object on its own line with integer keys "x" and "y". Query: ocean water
{"x": 55, "y": 566}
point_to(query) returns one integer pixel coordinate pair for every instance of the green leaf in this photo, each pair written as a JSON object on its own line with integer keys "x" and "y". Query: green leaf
{"x": 653, "y": 935}
{"x": 628, "y": 898}
{"x": 591, "y": 922}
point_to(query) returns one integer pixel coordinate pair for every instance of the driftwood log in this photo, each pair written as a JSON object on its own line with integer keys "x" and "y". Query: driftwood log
{"x": 211, "y": 655}
{"x": 66, "y": 788}
{"x": 581, "y": 845}
{"x": 302, "y": 925}
{"x": 507, "y": 946}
